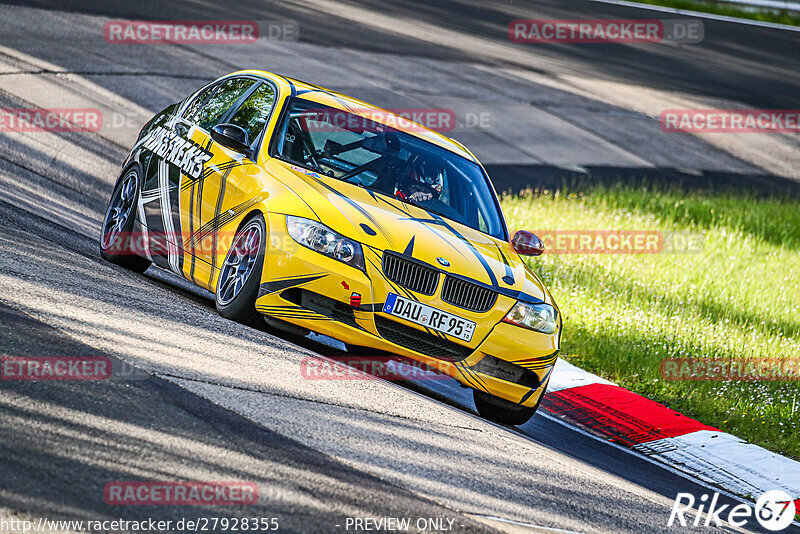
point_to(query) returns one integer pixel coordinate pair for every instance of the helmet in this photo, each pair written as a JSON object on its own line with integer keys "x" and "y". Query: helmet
{"x": 426, "y": 168}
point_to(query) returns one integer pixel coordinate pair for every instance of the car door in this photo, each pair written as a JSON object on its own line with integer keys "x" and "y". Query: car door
{"x": 177, "y": 160}
{"x": 214, "y": 199}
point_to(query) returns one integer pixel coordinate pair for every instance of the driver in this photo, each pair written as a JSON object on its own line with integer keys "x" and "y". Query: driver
{"x": 421, "y": 179}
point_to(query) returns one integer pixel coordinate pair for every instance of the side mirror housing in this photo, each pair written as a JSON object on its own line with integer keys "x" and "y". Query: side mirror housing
{"x": 231, "y": 136}
{"x": 527, "y": 243}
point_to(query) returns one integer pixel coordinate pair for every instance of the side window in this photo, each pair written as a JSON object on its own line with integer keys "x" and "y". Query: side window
{"x": 252, "y": 115}
{"x": 195, "y": 104}
{"x": 223, "y": 98}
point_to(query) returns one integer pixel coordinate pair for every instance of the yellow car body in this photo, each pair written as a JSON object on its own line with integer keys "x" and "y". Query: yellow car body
{"x": 198, "y": 195}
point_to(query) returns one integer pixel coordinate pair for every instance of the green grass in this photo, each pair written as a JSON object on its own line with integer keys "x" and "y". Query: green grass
{"x": 730, "y": 10}
{"x": 738, "y": 298}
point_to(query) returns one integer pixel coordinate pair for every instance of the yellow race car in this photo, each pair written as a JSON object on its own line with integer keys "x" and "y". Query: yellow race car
{"x": 301, "y": 206}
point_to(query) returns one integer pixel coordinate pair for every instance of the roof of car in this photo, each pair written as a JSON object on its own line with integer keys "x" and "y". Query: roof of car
{"x": 343, "y": 102}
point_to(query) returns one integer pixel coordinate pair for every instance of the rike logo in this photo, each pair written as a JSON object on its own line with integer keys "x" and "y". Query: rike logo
{"x": 774, "y": 510}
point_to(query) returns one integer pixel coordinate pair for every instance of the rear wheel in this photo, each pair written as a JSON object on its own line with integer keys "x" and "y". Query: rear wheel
{"x": 116, "y": 242}
{"x": 503, "y": 411}
{"x": 240, "y": 274}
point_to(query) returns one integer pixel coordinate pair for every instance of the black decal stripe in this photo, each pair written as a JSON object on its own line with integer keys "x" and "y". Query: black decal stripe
{"x": 278, "y": 285}
{"x": 175, "y": 199}
{"x": 527, "y": 396}
{"x": 200, "y": 203}
{"x": 435, "y": 223}
{"x": 469, "y": 245}
{"x": 289, "y": 310}
{"x": 544, "y": 380}
{"x": 540, "y": 362}
{"x": 467, "y": 377}
{"x": 397, "y": 205}
{"x": 191, "y": 232}
{"x": 357, "y": 207}
{"x": 409, "y": 251}
{"x": 298, "y": 312}
{"x": 220, "y": 197}
{"x": 509, "y": 272}
{"x": 477, "y": 378}
{"x": 219, "y": 169}
{"x": 292, "y": 315}
{"x": 536, "y": 367}
{"x": 301, "y": 317}
{"x": 304, "y": 200}
{"x": 222, "y": 220}
{"x": 474, "y": 376}
{"x": 191, "y": 182}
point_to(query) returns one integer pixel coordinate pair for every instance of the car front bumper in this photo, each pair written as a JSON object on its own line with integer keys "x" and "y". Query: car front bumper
{"x": 316, "y": 292}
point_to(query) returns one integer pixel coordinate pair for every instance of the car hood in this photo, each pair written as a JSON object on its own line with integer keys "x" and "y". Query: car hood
{"x": 385, "y": 223}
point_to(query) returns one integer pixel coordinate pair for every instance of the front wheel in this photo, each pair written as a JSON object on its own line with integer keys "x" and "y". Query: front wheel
{"x": 502, "y": 411}
{"x": 240, "y": 274}
{"x": 117, "y": 240}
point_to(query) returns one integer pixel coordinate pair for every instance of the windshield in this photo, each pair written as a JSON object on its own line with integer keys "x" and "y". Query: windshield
{"x": 390, "y": 162}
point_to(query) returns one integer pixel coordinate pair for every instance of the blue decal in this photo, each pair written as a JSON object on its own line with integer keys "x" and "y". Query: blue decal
{"x": 389, "y": 305}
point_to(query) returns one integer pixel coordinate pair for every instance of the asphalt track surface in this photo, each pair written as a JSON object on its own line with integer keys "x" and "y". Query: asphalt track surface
{"x": 753, "y": 65}
{"x": 212, "y": 400}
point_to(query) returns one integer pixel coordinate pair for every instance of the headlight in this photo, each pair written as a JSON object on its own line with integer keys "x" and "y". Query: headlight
{"x": 540, "y": 317}
{"x": 322, "y": 239}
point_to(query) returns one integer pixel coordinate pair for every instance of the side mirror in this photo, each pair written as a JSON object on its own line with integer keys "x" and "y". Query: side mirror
{"x": 527, "y": 243}
{"x": 231, "y": 136}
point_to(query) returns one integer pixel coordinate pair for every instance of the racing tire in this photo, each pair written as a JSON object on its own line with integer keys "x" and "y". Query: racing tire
{"x": 502, "y": 411}
{"x": 240, "y": 274}
{"x": 118, "y": 223}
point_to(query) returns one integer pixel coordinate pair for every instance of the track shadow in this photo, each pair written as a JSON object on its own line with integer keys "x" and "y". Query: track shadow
{"x": 735, "y": 61}
{"x": 62, "y": 441}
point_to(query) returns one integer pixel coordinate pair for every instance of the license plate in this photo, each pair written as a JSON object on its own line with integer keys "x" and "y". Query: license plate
{"x": 425, "y": 315}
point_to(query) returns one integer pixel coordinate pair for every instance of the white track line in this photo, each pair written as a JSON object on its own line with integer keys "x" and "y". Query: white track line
{"x": 683, "y": 474}
{"x": 712, "y": 459}
{"x": 701, "y": 15}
